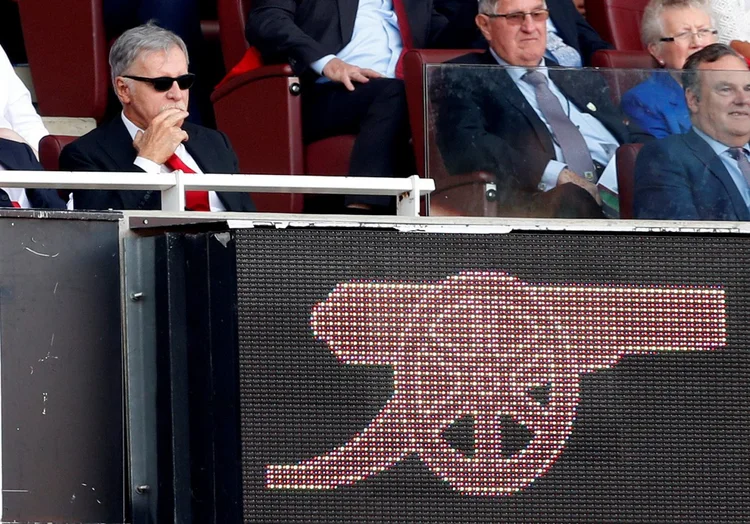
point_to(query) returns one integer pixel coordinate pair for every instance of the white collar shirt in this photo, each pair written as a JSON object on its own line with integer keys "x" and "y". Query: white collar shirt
{"x": 152, "y": 167}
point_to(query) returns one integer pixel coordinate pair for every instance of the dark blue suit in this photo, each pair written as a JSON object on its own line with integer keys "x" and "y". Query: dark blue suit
{"x": 680, "y": 177}
{"x": 20, "y": 157}
{"x": 658, "y": 106}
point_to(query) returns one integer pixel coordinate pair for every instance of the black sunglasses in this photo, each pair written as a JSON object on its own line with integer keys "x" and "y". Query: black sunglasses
{"x": 164, "y": 83}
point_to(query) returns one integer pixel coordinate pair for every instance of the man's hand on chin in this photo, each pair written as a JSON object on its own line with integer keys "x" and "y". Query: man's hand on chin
{"x": 163, "y": 135}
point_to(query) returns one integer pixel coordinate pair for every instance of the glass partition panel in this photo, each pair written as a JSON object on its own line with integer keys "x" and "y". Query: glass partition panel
{"x": 588, "y": 143}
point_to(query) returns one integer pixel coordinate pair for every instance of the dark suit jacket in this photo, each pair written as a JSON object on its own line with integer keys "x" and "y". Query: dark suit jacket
{"x": 658, "y": 105}
{"x": 573, "y": 28}
{"x": 110, "y": 148}
{"x": 680, "y": 177}
{"x": 303, "y": 31}
{"x": 484, "y": 123}
{"x": 20, "y": 157}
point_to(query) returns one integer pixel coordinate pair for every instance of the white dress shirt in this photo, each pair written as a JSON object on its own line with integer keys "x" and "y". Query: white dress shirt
{"x": 18, "y": 114}
{"x": 16, "y": 111}
{"x": 150, "y": 166}
{"x": 601, "y": 143}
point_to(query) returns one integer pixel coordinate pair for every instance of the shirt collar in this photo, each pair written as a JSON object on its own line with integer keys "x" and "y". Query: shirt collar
{"x": 130, "y": 126}
{"x": 516, "y": 72}
{"x": 717, "y": 146}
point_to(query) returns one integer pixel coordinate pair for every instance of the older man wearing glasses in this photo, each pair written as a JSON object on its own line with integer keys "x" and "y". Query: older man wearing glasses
{"x": 544, "y": 132}
{"x": 150, "y": 77}
{"x": 571, "y": 41}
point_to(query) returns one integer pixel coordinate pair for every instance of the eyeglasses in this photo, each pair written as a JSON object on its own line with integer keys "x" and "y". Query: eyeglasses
{"x": 518, "y": 17}
{"x": 685, "y": 36}
{"x": 164, "y": 83}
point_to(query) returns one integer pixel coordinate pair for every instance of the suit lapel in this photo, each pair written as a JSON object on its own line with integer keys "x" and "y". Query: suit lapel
{"x": 207, "y": 160}
{"x": 716, "y": 167}
{"x": 203, "y": 156}
{"x": 347, "y": 14}
{"x": 577, "y": 90}
{"x": 505, "y": 87}
{"x": 118, "y": 146}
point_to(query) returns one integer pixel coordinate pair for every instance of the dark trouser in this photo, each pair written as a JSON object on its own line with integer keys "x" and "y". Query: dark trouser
{"x": 376, "y": 112}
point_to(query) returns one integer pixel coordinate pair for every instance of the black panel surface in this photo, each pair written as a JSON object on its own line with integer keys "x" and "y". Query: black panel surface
{"x": 658, "y": 436}
{"x": 63, "y": 452}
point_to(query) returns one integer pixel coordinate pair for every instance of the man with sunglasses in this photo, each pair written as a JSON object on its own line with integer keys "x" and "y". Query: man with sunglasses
{"x": 546, "y": 133}
{"x": 149, "y": 68}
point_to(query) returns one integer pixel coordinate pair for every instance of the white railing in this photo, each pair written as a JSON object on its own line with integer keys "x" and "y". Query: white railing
{"x": 407, "y": 191}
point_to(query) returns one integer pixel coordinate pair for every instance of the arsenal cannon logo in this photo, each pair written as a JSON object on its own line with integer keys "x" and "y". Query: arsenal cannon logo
{"x": 475, "y": 345}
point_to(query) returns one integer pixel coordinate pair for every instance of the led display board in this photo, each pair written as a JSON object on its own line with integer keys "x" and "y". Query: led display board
{"x": 531, "y": 376}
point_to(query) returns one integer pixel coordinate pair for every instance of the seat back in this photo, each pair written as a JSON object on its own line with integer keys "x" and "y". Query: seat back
{"x": 232, "y": 18}
{"x": 620, "y": 69}
{"x": 468, "y": 194}
{"x": 50, "y": 148}
{"x": 415, "y": 62}
{"x": 626, "y": 157}
{"x": 71, "y": 79}
{"x": 329, "y": 156}
{"x": 623, "y": 59}
{"x": 618, "y": 22}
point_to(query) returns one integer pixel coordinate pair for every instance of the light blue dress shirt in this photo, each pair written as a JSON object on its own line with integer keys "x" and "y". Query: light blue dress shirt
{"x": 730, "y": 163}
{"x": 601, "y": 143}
{"x": 376, "y": 41}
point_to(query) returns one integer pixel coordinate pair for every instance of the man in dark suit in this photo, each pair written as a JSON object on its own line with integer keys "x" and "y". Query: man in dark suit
{"x": 347, "y": 53}
{"x": 150, "y": 76}
{"x": 545, "y": 133}
{"x": 18, "y": 156}
{"x": 571, "y": 40}
{"x": 703, "y": 174}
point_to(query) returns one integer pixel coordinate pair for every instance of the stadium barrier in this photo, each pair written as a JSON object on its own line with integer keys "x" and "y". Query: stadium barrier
{"x": 408, "y": 191}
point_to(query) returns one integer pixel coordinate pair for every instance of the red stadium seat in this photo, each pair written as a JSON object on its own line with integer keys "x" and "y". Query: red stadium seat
{"x": 624, "y": 59}
{"x": 50, "y": 148}
{"x": 67, "y": 53}
{"x": 468, "y": 194}
{"x": 260, "y": 111}
{"x": 626, "y": 157}
{"x": 232, "y": 18}
{"x": 620, "y": 69}
{"x": 618, "y": 21}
